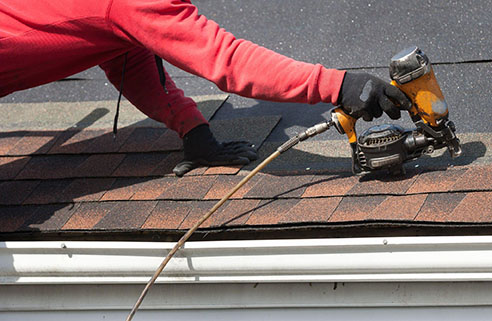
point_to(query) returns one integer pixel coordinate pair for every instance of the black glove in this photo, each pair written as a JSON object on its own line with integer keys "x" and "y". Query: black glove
{"x": 201, "y": 148}
{"x": 366, "y": 96}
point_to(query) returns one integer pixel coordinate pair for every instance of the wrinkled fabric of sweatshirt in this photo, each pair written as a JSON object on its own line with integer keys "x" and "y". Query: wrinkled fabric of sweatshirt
{"x": 46, "y": 40}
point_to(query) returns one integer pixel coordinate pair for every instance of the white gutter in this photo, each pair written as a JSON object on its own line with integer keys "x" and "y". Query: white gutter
{"x": 402, "y": 259}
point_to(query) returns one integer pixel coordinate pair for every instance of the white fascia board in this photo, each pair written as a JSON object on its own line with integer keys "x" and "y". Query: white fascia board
{"x": 73, "y": 297}
{"x": 398, "y": 259}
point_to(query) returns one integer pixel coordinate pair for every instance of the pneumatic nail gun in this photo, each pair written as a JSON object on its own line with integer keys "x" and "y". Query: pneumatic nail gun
{"x": 389, "y": 146}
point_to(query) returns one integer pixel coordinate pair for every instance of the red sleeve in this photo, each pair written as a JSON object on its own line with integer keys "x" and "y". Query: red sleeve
{"x": 174, "y": 30}
{"x": 144, "y": 90}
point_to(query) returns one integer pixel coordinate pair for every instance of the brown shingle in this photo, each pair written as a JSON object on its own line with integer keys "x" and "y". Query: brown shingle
{"x": 192, "y": 188}
{"x": 271, "y": 186}
{"x": 269, "y": 211}
{"x": 8, "y": 140}
{"x": 225, "y": 183}
{"x": 139, "y": 164}
{"x": 50, "y": 217}
{"x": 75, "y": 142}
{"x": 166, "y": 166}
{"x": 124, "y": 188}
{"x": 99, "y": 165}
{"x": 126, "y": 216}
{"x": 108, "y": 143}
{"x": 197, "y": 171}
{"x": 234, "y": 212}
{"x": 34, "y": 143}
{"x": 475, "y": 207}
{"x": 13, "y": 217}
{"x": 52, "y": 167}
{"x": 142, "y": 139}
{"x": 85, "y": 189}
{"x": 311, "y": 210}
{"x": 223, "y": 170}
{"x": 382, "y": 183}
{"x": 11, "y": 166}
{"x": 88, "y": 215}
{"x": 439, "y": 207}
{"x": 15, "y": 192}
{"x": 398, "y": 208}
{"x": 152, "y": 189}
{"x": 356, "y": 208}
{"x": 169, "y": 141}
{"x": 435, "y": 181}
{"x": 167, "y": 215}
{"x": 197, "y": 211}
{"x": 475, "y": 178}
{"x": 330, "y": 185}
{"x": 47, "y": 191}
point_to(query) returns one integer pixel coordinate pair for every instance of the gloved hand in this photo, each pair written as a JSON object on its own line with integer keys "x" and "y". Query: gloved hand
{"x": 366, "y": 96}
{"x": 201, "y": 148}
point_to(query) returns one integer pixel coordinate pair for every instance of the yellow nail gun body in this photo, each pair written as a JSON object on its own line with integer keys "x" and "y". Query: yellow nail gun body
{"x": 389, "y": 146}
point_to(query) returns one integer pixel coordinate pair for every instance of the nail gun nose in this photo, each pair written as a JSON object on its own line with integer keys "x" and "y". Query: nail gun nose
{"x": 451, "y": 140}
{"x": 454, "y": 148}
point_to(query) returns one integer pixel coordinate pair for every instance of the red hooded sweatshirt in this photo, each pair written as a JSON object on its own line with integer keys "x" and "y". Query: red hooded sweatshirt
{"x": 46, "y": 40}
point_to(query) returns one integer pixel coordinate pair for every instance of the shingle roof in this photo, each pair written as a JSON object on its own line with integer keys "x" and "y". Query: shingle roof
{"x": 87, "y": 182}
{"x": 84, "y": 183}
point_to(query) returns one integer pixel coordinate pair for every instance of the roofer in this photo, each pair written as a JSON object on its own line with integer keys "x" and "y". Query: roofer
{"x": 46, "y": 40}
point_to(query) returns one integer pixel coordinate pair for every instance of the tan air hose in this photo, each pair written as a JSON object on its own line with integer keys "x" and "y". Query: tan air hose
{"x": 312, "y": 131}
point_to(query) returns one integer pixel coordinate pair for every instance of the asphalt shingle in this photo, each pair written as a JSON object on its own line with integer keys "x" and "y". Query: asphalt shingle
{"x": 398, "y": 208}
{"x": 75, "y": 142}
{"x": 269, "y": 211}
{"x": 330, "y": 185}
{"x": 234, "y": 213}
{"x": 126, "y": 216}
{"x": 88, "y": 215}
{"x": 85, "y": 190}
{"x": 49, "y": 217}
{"x": 139, "y": 165}
{"x": 272, "y": 186}
{"x": 356, "y": 208}
{"x": 15, "y": 192}
{"x": 192, "y": 188}
{"x": 33, "y": 143}
{"x": 52, "y": 166}
{"x": 13, "y": 217}
{"x": 11, "y": 166}
{"x": 167, "y": 215}
{"x": 436, "y": 181}
{"x": 439, "y": 207}
{"x": 311, "y": 210}
{"x": 8, "y": 140}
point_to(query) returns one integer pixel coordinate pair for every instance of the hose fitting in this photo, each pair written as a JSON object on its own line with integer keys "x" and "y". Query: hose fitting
{"x": 310, "y": 132}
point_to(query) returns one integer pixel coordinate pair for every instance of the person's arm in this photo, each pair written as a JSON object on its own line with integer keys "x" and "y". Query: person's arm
{"x": 144, "y": 90}
{"x": 174, "y": 30}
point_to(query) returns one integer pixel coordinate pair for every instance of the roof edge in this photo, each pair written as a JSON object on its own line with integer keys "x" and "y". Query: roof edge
{"x": 302, "y": 230}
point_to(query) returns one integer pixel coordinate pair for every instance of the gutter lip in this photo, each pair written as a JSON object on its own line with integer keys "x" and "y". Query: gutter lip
{"x": 380, "y": 259}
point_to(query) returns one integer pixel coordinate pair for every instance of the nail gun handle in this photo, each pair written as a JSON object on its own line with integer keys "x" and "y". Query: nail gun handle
{"x": 414, "y": 113}
{"x": 345, "y": 124}
{"x": 428, "y": 102}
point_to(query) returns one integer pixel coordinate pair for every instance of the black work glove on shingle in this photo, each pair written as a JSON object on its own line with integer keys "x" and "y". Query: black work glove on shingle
{"x": 202, "y": 149}
{"x": 366, "y": 96}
